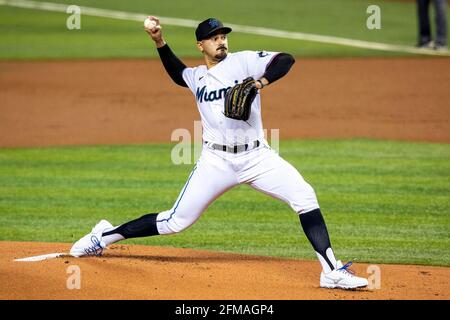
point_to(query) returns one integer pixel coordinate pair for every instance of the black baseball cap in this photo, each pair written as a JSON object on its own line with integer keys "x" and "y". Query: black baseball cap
{"x": 209, "y": 27}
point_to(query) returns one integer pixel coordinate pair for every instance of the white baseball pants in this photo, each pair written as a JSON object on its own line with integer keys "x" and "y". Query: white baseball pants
{"x": 218, "y": 171}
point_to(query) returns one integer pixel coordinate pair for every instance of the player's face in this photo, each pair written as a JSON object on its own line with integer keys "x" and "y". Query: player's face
{"x": 215, "y": 47}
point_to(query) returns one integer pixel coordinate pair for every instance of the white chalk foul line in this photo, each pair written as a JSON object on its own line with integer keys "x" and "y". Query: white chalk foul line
{"x": 106, "y": 13}
{"x": 42, "y": 257}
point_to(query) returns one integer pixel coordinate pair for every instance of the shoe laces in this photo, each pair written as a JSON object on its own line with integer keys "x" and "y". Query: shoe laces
{"x": 96, "y": 248}
{"x": 345, "y": 268}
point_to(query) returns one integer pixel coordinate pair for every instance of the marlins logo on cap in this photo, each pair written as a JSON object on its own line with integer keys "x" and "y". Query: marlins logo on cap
{"x": 210, "y": 27}
{"x": 213, "y": 23}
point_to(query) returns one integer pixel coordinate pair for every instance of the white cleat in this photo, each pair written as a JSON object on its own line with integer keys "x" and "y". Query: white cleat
{"x": 91, "y": 244}
{"x": 341, "y": 278}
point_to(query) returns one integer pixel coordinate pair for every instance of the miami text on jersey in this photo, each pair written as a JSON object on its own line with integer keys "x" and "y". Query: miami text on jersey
{"x": 203, "y": 94}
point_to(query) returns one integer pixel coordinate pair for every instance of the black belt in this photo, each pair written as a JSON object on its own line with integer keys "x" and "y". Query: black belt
{"x": 235, "y": 149}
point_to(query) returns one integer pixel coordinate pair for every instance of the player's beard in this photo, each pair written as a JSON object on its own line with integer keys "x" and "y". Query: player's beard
{"x": 221, "y": 53}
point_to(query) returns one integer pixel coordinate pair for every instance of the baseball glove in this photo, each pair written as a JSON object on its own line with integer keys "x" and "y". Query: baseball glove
{"x": 239, "y": 99}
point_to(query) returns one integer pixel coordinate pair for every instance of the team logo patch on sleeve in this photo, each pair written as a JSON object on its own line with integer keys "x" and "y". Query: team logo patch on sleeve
{"x": 262, "y": 54}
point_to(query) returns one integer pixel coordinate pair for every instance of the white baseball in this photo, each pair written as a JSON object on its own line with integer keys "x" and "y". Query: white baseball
{"x": 149, "y": 24}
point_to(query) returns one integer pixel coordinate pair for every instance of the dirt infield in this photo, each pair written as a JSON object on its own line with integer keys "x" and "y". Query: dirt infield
{"x": 143, "y": 272}
{"x": 129, "y": 101}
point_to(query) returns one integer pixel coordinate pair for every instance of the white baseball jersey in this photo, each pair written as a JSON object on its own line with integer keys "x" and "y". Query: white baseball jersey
{"x": 209, "y": 87}
{"x": 217, "y": 171}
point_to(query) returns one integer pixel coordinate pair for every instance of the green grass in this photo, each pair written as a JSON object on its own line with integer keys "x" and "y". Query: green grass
{"x": 384, "y": 202}
{"x": 33, "y": 34}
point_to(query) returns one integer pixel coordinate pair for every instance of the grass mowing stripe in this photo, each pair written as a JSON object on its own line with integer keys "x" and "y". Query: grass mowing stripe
{"x": 252, "y": 30}
{"x": 31, "y": 34}
{"x": 384, "y": 201}
{"x": 49, "y": 38}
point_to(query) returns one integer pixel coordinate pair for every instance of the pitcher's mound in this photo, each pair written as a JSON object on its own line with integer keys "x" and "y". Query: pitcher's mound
{"x": 145, "y": 272}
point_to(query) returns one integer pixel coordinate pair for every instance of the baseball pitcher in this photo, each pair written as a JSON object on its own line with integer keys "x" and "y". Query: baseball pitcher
{"x": 226, "y": 89}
